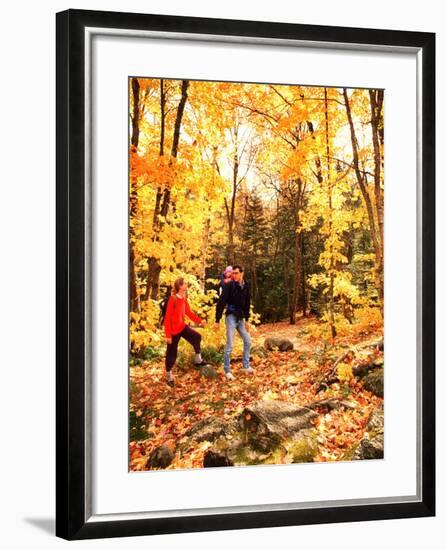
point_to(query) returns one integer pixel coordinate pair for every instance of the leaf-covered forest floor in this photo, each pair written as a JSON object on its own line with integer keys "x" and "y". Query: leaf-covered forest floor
{"x": 160, "y": 415}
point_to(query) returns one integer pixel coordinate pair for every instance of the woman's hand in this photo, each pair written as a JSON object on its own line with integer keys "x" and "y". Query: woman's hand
{"x": 169, "y": 340}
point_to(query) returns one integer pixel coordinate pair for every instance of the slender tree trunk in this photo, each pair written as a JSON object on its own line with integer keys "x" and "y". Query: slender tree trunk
{"x": 163, "y": 116}
{"x": 376, "y": 112}
{"x": 230, "y": 214}
{"x": 230, "y": 208}
{"x": 376, "y": 104}
{"x": 133, "y": 295}
{"x": 374, "y": 233}
{"x": 152, "y": 262}
{"x": 255, "y": 286}
{"x": 318, "y": 160}
{"x": 304, "y": 285}
{"x": 331, "y": 291}
{"x": 288, "y": 283}
{"x": 297, "y": 255}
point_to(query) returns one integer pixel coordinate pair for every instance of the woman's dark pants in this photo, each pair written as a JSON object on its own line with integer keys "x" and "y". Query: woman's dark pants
{"x": 191, "y": 336}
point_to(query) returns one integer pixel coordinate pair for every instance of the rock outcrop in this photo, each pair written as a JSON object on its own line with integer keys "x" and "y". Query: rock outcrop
{"x": 266, "y": 432}
{"x": 281, "y": 344}
{"x": 372, "y": 444}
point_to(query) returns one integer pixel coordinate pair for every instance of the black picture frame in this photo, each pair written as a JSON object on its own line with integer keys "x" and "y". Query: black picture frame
{"x": 71, "y": 392}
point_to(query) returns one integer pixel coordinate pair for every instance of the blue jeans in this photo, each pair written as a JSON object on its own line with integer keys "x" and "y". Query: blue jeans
{"x": 231, "y": 325}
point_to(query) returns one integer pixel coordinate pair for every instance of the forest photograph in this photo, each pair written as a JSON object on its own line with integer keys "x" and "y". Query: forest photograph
{"x": 256, "y": 274}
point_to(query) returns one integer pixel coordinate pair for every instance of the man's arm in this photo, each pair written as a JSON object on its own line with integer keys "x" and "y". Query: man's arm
{"x": 247, "y": 302}
{"x": 222, "y": 301}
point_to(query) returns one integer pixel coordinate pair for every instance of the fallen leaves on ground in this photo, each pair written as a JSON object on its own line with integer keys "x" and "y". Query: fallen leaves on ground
{"x": 164, "y": 414}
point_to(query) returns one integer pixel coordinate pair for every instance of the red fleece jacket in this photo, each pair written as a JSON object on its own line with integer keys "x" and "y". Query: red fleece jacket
{"x": 177, "y": 309}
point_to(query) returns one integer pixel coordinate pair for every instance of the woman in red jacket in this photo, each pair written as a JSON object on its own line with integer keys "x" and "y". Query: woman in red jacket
{"x": 175, "y": 327}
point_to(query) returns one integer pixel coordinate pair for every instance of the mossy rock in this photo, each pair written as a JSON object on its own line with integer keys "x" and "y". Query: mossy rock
{"x": 281, "y": 344}
{"x": 237, "y": 451}
{"x": 266, "y": 432}
{"x": 160, "y": 458}
{"x": 372, "y": 444}
{"x": 374, "y": 382}
{"x": 207, "y": 429}
{"x": 231, "y": 452}
{"x": 305, "y": 448}
{"x": 276, "y": 456}
{"x": 371, "y": 448}
{"x": 208, "y": 371}
{"x": 375, "y": 423}
{"x": 248, "y": 456}
{"x": 274, "y": 421}
{"x": 350, "y": 454}
{"x": 216, "y": 460}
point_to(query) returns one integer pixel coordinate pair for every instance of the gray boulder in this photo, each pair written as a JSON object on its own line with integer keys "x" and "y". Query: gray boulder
{"x": 374, "y": 382}
{"x": 265, "y": 433}
{"x": 160, "y": 458}
{"x": 207, "y": 429}
{"x": 208, "y": 371}
{"x": 266, "y": 423}
{"x": 281, "y": 344}
{"x": 372, "y": 444}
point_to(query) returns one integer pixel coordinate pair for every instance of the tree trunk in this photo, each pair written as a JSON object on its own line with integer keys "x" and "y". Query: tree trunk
{"x": 376, "y": 104}
{"x": 255, "y": 287}
{"x": 230, "y": 209}
{"x": 152, "y": 262}
{"x": 377, "y": 243}
{"x": 133, "y": 297}
{"x": 297, "y": 255}
{"x": 331, "y": 291}
{"x": 376, "y": 99}
{"x": 164, "y": 201}
{"x": 304, "y": 286}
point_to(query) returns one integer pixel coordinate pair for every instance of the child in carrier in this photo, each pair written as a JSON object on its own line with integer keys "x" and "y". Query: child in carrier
{"x": 225, "y": 278}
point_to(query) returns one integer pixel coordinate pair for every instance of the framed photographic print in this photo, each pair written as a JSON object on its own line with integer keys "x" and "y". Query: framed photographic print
{"x": 245, "y": 214}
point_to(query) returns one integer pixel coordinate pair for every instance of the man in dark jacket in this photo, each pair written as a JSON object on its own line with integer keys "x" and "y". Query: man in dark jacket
{"x": 237, "y": 300}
